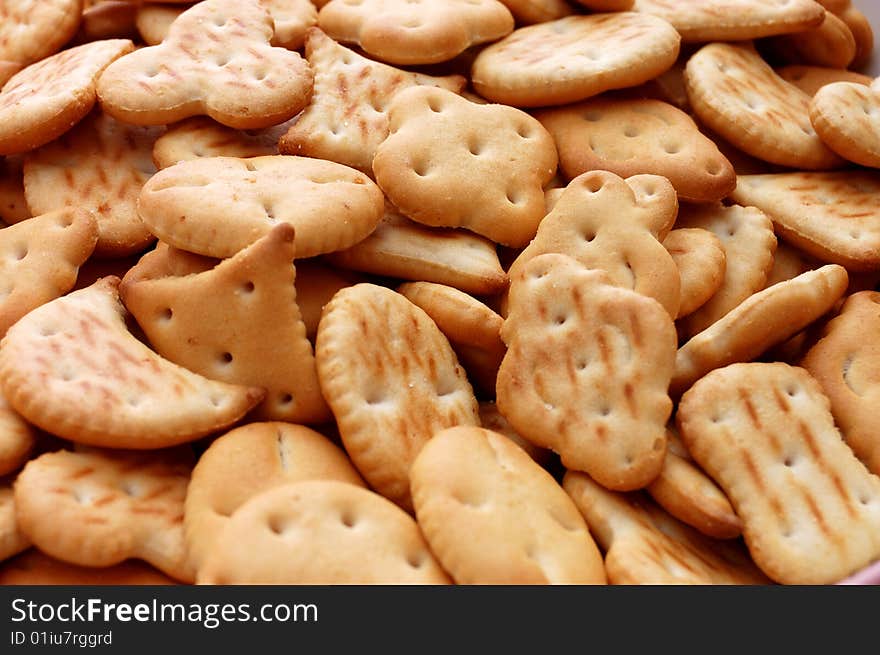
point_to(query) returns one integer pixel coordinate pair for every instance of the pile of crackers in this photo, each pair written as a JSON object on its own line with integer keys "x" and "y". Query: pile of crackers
{"x": 438, "y": 291}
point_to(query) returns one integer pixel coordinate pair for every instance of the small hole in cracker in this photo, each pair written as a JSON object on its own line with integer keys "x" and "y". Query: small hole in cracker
{"x": 475, "y": 148}
{"x": 348, "y": 519}
{"x": 593, "y": 184}
{"x": 248, "y": 287}
{"x": 864, "y": 499}
{"x": 560, "y": 320}
{"x": 226, "y": 358}
{"x": 216, "y": 401}
{"x": 276, "y": 524}
{"x": 420, "y": 169}
{"x": 249, "y": 165}
{"x": 285, "y": 398}
{"x": 21, "y": 253}
{"x": 631, "y": 131}
{"x": 435, "y": 105}
{"x": 593, "y": 116}
{"x": 415, "y": 560}
{"x": 713, "y": 167}
{"x": 605, "y": 410}
{"x": 47, "y": 331}
{"x": 791, "y": 391}
{"x": 514, "y": 198}
{"x": 788, "y": 461}
{"x": 524, "y": 131}
{"x": 855, "y": 234}
{"x": 582, "y": 365}
{"x": 166, "y": 314}
{"x": 589, "y": 235}
{"x": 671, "y": 148}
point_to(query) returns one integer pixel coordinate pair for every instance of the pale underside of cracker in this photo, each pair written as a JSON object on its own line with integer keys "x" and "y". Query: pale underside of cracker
{"x": 497, "y": 158}
{"x": 701, "y": 262}
{"x": 12, "y": 540}
{"x": 200, "y": 136}
{"x": 43, "y": 255}
{"x": 407, "y": 250}
{"x": 47, "y": 98}
{"x": 831, "y": 43}
{"x": 99, "y": 165}
{"x": 247, "y": 461}
{"x": 639, "y": 135}
{"x": 216, "y": 61}
{"x": 239, "y": 323}
{"x": 17, "y": 439}
{"x": 471, "y": 482}
{"x": 391, "y": 379}
{"x": 846, "y": 116}
{"x": 736, "y": 93}
{"x": 573, "y": 58}
{"x": 427, "y": 32}
{"x": 764, "y": 319}
{"x": 746, "y": 234}
{"x": 587, "y": 370}
{"x": 34, "y": 567}
{"x": 608, "y": 223}
{"x": 845, "y": 362}
{"x": 643, "y": 545}
{"x": 31, "y": 31}
{"x": 810, "y": 79}
{"x": 764, "y": 432}
{"x": 685, "y": 491}
{"x": 320, "y": 532}
{"x": 831, "y": 216}
{"x": 331, "y": 206}
{"x": 347, "y": 118}
{"x": 99, "y": 509}
{"x": 702, "y": 21}
{"x": 72, "y": 368}
{"x": 473, "y": 329}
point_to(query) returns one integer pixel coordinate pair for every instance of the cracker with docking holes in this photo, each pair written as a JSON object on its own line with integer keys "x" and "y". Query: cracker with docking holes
{"x": 407, "y": 33}
{"x": 587, "y": 369}
{"x": 401, "y": 248}
{"x": 612, "y": 224}
{"x": 702, "y": 21}
{"x": 101, "y": 508}
{"x": 492, "y": 419}
{"x": 247, "y": 461}
{"x": 217, "y": 206}
{"x": 473, "y": 329}
{"x": 831, "y": 44}
{"x": 846, "y": 116}
{"x": 100, "y": 165}
{"x": 496, "y": 157}
{"x": 829, "y": 215}
{"x": 470, "y": 482}
{"x": 736, "y": 93}
{"x": 12, "y": 539}
{"x": 292, "y": 19}
{"x": 239, "y": 323}
{"x": 40, "y": 258}
{"x": 216, "y": 60}
{"x": 391, "y": 379}
{"x": 200, "y": 136}
{"x": 643, "y": 545}
{"x": 764, "y": 432}
{"x": 33, "y": 567}
{"x": 846, "y": 363}
{"x": 747, "y": 237}
{"x": 18, "y": 439}
{"x": 31, "y": 31}
{"x": 810, "y": 79}
{"x": 320, "y": 532}
{"x": 573, "y": 58}
{"x": 630, "y": 136}
{"x": 44, "y": 100}
{"x": 701, "y": 263}
{"x": 72, "y": 368}
{"x": 762, "y": 320}
{"x": 685, "y": 491}
{"x": 347, "y": 117}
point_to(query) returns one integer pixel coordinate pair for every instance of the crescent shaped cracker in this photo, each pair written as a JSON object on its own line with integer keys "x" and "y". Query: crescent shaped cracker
{"x": 72, "y": 368}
